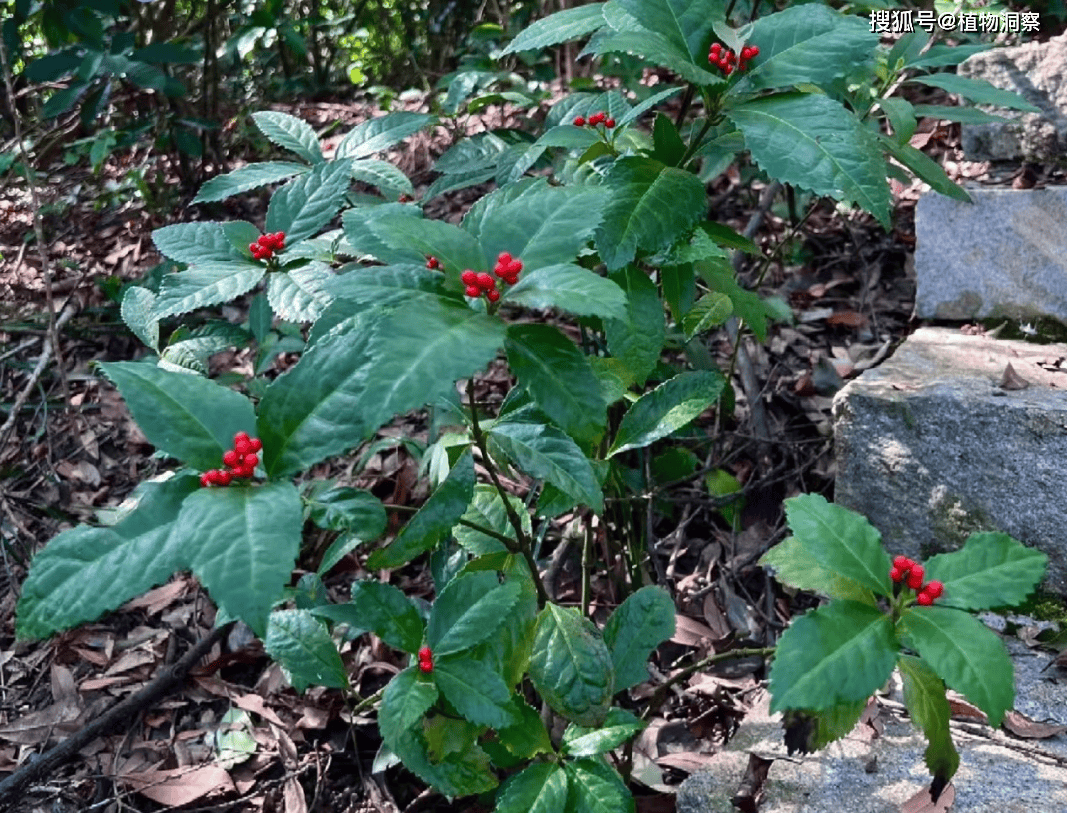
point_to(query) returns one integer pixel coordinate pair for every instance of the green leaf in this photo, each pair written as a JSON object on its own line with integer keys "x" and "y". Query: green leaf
{"x": 593, "y": 787}
{"x": 842, "y": 541}
{"x": 451, "y": 245}
{"x": 967, "y": 655}
{"x": 841, "y": 652}
{"x": 809, "y": 45}
{"x": 570, "y": 665}
{"x": 461, "y": 773}
{"x": 304, "y": 205}
{"x": 924, "y": 695}
{"x": 85, "y": 572}
{"x": 487, "y": 511}
{"x": 725, "y": 236}
{"x": 679, "y": 288}
{"x": 558, "y": 377}
{"x": 383, "y": 609}
{"x": 711, "y": 310}
{"x": 184, "y": 416}
{"x": 245, "y": 178}
{"x": 570, "y": 288}
{"x": 290, "y": 133}
{"x": 339, "y": 548}
{"x": 301, "y": 644}
{"x": 348, "y": 509}
{"x": 386, "y": 285}
{"x": 685, "y": 24}
{"x": 196, "y": 243}
{"x": 381, "y": 174}
{"x": 436, "y": 517}
{"x": 298, "y": 295}
{"x": 926, "y": 168}
{"x": 137, "y": 306}
{"x": 669, "y": 147}
{"x": 569, "y": 136}
{"x": 796, "y": 565}
{"x": 617, "y": 728}
{"x": 468, "y": 611}
{"x": 990, "y": 570}
{"x": 527, "y": 738}
{"x": 747, "y": 305}
{"x": 640, "y": 624}
{"x": 650, "y": 205}
{"x": 637, "y": 340}
{"x": 813, "y": 142}
{"x": 656, "y": 50}
{"x": 406, "y": 700}
{"x": 206, "y": 284}
{"x": 966, "y": 115}
{"x": 667, "y": 408}
{"x": 939, "y": 56}
{"x": 901, "y": 115}
{"x": 477, "y": 692}
{"x": 569, "y": 24}
{"x": 540, "y": 787}
{"x": 379, "y": 134}
{"x": 356, "y": 222}
{"x": 544, "y": 452}
{"x": 978, "y": 91}
{"x": 809, "y": 731}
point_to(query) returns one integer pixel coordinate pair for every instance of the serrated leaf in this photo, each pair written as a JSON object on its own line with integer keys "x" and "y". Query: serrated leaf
{"x": 639, "y": 110}
{"x": 637, "y": 340}
{"x": 184, "y": 416}
{"x": 245, "y": 178}
{"x": 338, "y": 550}
{"x": 461, "y": 773}
{"x": 382, "y": 175}
{"x": 924, "y": 695}
{"x": 650, "y": 205}
{"x": 686, "y": 24}
{"x": 451, "y": 245}
{"x": 290, "y": 133}
{"x": 966, "y": 654}
{"x": 569, "y": 136}
{"x": 640, "y": 624}
{"x": 381, "y": 133}
{"x": 558, "y": 377}
{"x": 797, "y": 566}
{"x": 570, "y": 288}
{"x": 468, "y": 611}
{"x": 528, "y": 737}
{"x": 206, "y": 284}
{"x": 196, "y": 243}
{"x": 299, "y": 294}
{"x": 977, "y": 90}
{"x": 839, "y": 653}
{"x": 548, "y": 454}
{"x": 477, "y": 692}
{"x": 85, "y": 572}
{"x": 348, "y": 509}
{"x": 406, "y": 700}
{"x": 747, "y": 305}
{"x": 304, "y": 205}
{"x": 436, "y": 517}
{"x": 569, "y": 24}
{"x": 711, "y": 310}
{"x": 965, "y": 115}
{"x": 844, "y": 542}
{"x": 383, "y": 609}
{"x": 813, "y": 142}
{"x": 386, "y": 285}
{"x": 667, "y": 408}
{"x": 655, "y": 49}
{"x": 570, "y": 665}
{"x": 926, "y": 169}
{"x": 487, "y": 511}
{"x": 594, "y": 787}
{"x": 301, "y": 644}
{"x": 616, "y": 729}
{"x": 357, "y": 229}
{"x": 137, "y": 306}
{"x": 990, "y": 570}
{"x": 538, "y": 788}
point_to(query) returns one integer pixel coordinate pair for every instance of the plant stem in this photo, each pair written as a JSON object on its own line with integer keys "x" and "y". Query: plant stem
{"x": 661, "y": 691}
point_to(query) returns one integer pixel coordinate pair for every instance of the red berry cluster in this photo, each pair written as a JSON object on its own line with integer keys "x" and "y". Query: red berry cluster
{"x": 426, "y": 659}
{"x": 267, "y": 244}
{"x": 594, "y": 120}
{"x": 726, "y": 59}
{"x": 910, "y": 572}
{"x": 432, "y": 263}
{"x": 240, "y": 461}
{"x": 507, "y": 268}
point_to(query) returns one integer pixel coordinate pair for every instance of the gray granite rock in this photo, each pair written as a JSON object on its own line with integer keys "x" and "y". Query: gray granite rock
{"x": 860, "y": 774}
{"x": 930, "y": 448}
{"x": 1038, "y": 72}
{"x": 1004, "y": 255}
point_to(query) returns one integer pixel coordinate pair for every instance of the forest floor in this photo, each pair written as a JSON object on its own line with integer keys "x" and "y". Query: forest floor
{"x": 72, "y": 451}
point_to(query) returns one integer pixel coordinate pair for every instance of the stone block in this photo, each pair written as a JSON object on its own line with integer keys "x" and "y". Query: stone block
{"x": 1003, "y": 255}
{"x": 930, "y": 446}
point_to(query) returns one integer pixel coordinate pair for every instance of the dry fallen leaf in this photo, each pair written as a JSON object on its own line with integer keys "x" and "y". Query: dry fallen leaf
{"x": 1022, "y": 726}
{"x": 1011, "y": 380}
{"x": 179, "y": 786}
{"x": 922, "y": 803}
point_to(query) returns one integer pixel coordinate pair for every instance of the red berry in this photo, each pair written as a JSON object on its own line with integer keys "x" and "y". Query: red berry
{"x": 246, "y": 471}
{"x": 425, "y": 654}
{"x": 754, "y": 50}
{"x": 896, "y": 574}
{"x": 473, "y": 290}
{"x": 492, "y": 295}
{"x": 485, "y": 281}
{"x": 250, "y": 461}
{"x": 256, "y": 444}
{"x": 204, "y": 480}
{"x": 254, "y": 248}
{"x": 503, "y": 258}
{"x": 934, "y": 589}
{"x": 596, "y": 118}
{"x": 902, "y": 562}
{"x": 231, "y": 458}
{"x": 224, "y": 478}
{"x": 469, "y": 277}
{"x": 242, "y": 445}
{"x": 728, "y": 69}
{"x": 925, "y": 599}
{"x": 915, "y": 577}
{"x": 426, "y": 666}
{"x": 731, "y": 56}
{"x": 239, "y": 437}
{"x": 501, "y": 271}
{"x": 432, "y": 262}
{"x": 511, "y": 279}
{"x": 716, "y": 47}
{"x": 214, "y": 477}
{"x": 609, "y": 123}
{"x": 515, "y": 266}
{"x": 579, "y": 121}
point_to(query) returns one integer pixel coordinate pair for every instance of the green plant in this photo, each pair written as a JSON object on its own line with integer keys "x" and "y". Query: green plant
{"x": 880, "y": 617}
{"x": 619, "y": 242}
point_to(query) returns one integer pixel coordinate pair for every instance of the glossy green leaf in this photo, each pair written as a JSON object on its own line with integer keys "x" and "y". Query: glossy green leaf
{"x": 299, "y": 295}
{"x": 206, "y": 284}
{"x": 616, "y": 729}
{"x": 300, "y": 643}
{"x": 710, "y": 311}
{"x": 381, "y": 174}
{"x": 306, "y": 204}
{"x": 924, "y": 695}
{"x": 838, "y": 653}
{"x": 183, "y": 415}
{"x": 977, "y": 90}
{"x": 747, "y": 305}
{"x": 966, "y": 654}
{"x": 436, "y": 517}
{"x": 406, "y": 700}
{"x": 456, "y": 249}
{"x": 667, "y": 408}
{"x": 571, "y": 666}
{"x": 385, "y": 610}
{"x": 290, "y": 133}
{"x": 569, "y": 24}
{"x": 544, "y": 452}
{"x": 795, "y": 564}
{"x": 594, "y": 787}
{"x": 338, "y": 550}
{"x": 641, "y": 623}
{"x": 926, "y": 169}
{"x": 844, "y": 542}
{"x": 245, "y": 178}
{"x": 528, "y": 737}
{"x": 538, "y": 788}
{"x": 686, "y": 24}
{"x": 477, "y": 692}
{"x": 966, "y": 115}
{"x": 468, "y": 611}
{"x": 558, "y": 376}
{"x": 990, "y": 570}
{"x": 487, "y": 511}
{"x": 386, "y": 285}
{"x": 381, "y": 133}
{"x": 196, "y": 243}
{"x": 570, "y": 288}
{"x": 461, "y": 773}
{"x": 356, "y": 222}
{"x": 347, "y": 509}
{"x": 137, "y": 306}
{"x": 637, "y": 341}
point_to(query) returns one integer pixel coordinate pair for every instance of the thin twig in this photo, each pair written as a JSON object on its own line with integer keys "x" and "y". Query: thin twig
{"x": 658, "y": 696}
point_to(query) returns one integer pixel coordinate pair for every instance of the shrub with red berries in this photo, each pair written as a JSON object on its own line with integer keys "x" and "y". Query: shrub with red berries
{"x": 910, "y": 572}
{"x": 240, "y": 462}
{"x": 594, "y": 120}
{"x": 426, "y": 659}
{"x": 267, "y": 244}
{"x": 726, "y": 60}
{"x": 507, "y": 268}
